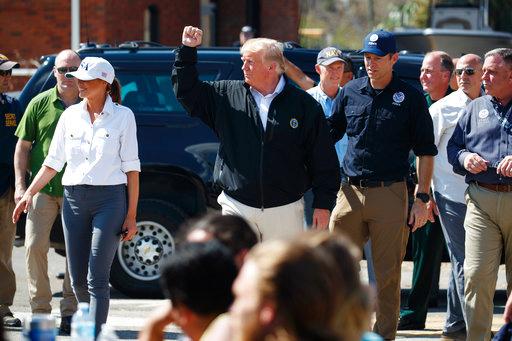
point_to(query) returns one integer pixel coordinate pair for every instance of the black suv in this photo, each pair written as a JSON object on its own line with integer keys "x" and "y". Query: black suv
{"x": 177, "y": 152}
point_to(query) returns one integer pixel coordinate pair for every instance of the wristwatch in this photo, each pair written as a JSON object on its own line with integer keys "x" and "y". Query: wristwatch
{"x": 425, "y": 197}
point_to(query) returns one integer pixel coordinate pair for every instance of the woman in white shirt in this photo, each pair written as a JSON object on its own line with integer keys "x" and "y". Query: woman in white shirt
{"x": 97, "y": 140}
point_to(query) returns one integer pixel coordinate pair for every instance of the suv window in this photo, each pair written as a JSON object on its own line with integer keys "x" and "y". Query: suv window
{"x": 148, "y": 92}
{"x": 151, "y": 91}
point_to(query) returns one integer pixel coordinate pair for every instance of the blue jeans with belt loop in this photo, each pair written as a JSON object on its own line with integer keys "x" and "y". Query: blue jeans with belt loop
{"x": 92, "y": 218}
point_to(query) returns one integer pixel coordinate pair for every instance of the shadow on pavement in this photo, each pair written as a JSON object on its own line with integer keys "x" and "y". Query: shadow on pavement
{"x": 133, "y": 335}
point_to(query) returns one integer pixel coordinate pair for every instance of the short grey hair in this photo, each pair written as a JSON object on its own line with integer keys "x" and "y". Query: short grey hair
{"x": 504, "y": 53}
{"x": 272, "y": 50}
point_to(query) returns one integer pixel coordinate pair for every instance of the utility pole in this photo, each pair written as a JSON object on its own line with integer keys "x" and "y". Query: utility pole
{"x": 75, "y": 24}
{"x": 371, "y": 14}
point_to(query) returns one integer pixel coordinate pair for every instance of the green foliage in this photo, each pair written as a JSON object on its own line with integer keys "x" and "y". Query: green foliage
{"x": 346, "y": 22}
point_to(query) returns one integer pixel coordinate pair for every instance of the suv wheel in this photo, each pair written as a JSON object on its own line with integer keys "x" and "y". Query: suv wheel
{"x": 136, "y": 267}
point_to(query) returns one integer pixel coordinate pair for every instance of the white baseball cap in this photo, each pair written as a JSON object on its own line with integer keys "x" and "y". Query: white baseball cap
{"x": 93, "y": 68}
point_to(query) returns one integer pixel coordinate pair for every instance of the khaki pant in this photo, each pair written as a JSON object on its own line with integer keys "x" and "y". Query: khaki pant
{"x": 282, "y": 222}
{"x": 488, "y": 225}
{"x": 378, "y": 214}
{"x": 40, "y": 219}
{"x": 7, "y": 234}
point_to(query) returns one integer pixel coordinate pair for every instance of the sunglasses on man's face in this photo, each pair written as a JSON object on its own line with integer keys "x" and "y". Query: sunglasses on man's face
{"x": 63, "y": 69}
{"x": 469, "y": 71}
{"x": 5, "y": 73}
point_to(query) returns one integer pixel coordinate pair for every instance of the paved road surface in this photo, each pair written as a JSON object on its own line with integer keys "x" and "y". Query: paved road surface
{"x": 127, "y": 315}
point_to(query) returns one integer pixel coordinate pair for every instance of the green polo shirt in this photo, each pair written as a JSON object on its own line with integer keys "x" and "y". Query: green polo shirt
{"x": 37, "y": 126}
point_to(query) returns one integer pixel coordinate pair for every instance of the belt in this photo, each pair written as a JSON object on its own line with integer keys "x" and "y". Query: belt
{"x": 365, "y": 183}
{"x": 496, "y": 187}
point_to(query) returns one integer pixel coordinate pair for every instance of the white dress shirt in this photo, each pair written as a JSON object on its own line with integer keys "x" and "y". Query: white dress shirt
{"x": 263, "y": 102}
{"x": 445, "y": 114}
{"x": 98, "y": 153}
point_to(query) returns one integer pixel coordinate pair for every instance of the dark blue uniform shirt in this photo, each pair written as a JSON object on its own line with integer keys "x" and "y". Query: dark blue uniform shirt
{"x": 382, "y": 127}
{"x": 485, "y": 128}
{"x": 10, "y": 115}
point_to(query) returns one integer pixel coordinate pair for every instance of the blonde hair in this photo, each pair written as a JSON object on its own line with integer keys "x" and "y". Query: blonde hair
{"x": 304, "y": 285}
{"x": 272, "y": 50}
{"x": 353, "y": 312}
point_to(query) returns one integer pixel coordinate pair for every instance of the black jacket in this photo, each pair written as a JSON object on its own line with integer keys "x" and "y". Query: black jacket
{"x": 262, "y": 168}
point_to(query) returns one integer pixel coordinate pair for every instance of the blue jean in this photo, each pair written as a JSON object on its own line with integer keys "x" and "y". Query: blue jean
{"x": 451, "y": 215}
{"x": 92, "y": 218}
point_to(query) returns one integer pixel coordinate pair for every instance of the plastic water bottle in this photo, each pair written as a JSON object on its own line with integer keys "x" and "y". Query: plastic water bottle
{"x": 107, "y": 334}
{"x": 82, "y": 324}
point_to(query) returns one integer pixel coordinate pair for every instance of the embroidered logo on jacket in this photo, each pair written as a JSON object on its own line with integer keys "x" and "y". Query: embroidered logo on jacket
{"x": 294, "y": 123}
{"x": 398, "y": 97}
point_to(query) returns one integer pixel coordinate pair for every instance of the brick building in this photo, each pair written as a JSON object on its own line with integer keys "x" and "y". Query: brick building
{"x": 34, "y": 28}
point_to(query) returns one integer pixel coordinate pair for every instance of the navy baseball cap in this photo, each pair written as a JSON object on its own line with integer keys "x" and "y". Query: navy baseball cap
{"x": 379, "y": 42}
{"x": 329, "y": 55}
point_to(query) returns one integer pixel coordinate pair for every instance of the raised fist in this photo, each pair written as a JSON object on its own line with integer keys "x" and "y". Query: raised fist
{"x": 192, "y": 36}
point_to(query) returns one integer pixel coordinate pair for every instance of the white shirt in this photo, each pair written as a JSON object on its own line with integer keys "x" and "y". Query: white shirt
{"x": 263, "y": 102}
{"x": 98, "y": 153}
{"x": 445, "y": 114}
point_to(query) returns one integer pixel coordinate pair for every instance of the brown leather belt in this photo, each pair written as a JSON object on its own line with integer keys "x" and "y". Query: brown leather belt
{"x": 496, "y": 187}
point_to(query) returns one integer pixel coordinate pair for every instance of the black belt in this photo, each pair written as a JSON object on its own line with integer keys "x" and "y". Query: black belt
{"x": 496, "y": 187}
{"x": 365, "y": 183}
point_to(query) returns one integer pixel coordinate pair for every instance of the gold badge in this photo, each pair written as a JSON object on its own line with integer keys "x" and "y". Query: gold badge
{"x": 10, "y": 120}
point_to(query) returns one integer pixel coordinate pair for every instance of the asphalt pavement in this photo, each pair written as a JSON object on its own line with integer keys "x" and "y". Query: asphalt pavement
{"x": 127, "y": 315}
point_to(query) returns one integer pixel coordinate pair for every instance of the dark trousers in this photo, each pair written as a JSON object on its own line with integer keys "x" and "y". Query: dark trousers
{"x": 92, "y": 218}
{"x": 427, "y": 247}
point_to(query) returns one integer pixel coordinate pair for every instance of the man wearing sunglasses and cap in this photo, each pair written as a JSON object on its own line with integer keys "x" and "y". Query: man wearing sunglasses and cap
{"x": 384, "y": 118}
{"x": 10, "y": 113}
{"x": 35, "y": 133}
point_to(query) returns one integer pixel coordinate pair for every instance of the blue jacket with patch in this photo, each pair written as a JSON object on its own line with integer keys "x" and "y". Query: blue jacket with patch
{"x": 382, "y": 127}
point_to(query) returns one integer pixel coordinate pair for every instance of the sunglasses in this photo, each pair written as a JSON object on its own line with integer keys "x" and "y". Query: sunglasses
{"x": 469, "y": 71}
{"x": 63, "y": 69}
{"x": 5, "y": 73}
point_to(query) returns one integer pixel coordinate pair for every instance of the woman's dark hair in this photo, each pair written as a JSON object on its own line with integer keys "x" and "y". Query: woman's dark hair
{"x": 231, "y": 230}
{"x": 114, "y": 90}
{"x": 199, "y": 276}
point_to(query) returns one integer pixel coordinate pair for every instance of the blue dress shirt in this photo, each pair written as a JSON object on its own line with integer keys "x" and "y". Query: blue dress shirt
{"x": 326, "y": 102}
{"x": 485, "y": 128}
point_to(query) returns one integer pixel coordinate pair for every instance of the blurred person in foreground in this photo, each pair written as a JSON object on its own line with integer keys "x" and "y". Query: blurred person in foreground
{"x": 230, "y": 230}
{"x": 354, "y": 314}
{"x": 296, "y": 291}
{"x": 197, "y": 282}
